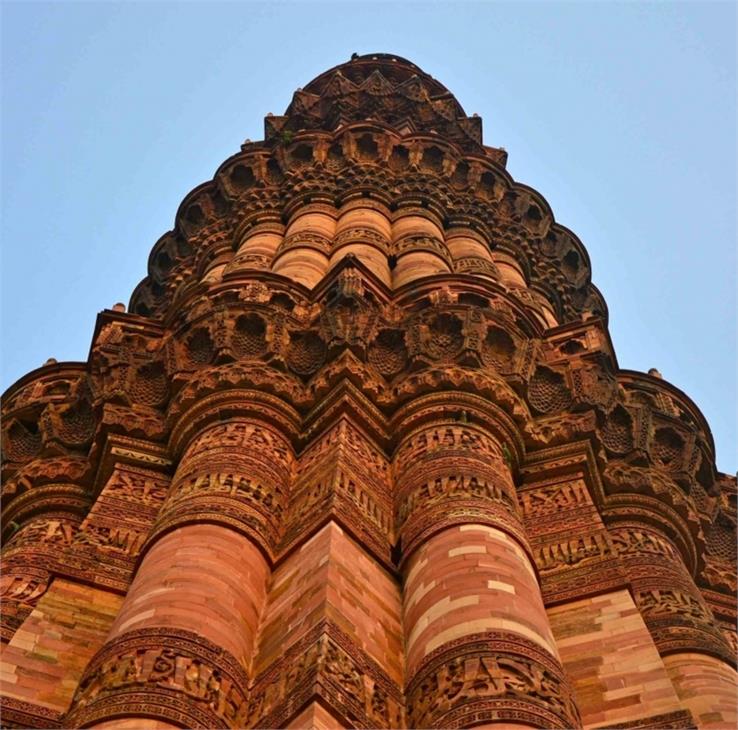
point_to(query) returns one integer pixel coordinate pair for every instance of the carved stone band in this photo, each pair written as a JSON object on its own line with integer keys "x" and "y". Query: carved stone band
{"x": 235, "y": 474}
{"x": 162, "y": 673}
{"x": 429, "y": 522}
{"x": 326, "y": 664}
{"x": 679, "y": 720}
{"x": 488, "y": 677}
{"x": 19, "y": 714}
{"x": 672, "y": 606}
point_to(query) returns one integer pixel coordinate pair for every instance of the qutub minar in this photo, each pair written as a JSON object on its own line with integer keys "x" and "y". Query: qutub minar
{"x": 360, "y": 455}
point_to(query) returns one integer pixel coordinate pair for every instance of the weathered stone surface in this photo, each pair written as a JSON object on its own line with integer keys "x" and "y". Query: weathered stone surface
{"x": 360, "y": 455}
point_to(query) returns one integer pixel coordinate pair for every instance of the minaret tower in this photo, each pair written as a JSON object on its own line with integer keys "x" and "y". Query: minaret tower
{"x": 360, "y": 454}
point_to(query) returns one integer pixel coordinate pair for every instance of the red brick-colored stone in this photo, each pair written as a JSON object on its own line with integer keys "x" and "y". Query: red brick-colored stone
{"x": 360, "y": 454}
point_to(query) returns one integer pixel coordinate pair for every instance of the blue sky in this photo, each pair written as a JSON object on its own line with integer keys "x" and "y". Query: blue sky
{"x": 623, "y": 115}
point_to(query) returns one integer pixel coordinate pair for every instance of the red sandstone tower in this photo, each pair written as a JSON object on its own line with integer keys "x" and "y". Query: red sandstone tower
{"x": 360, "y": 455}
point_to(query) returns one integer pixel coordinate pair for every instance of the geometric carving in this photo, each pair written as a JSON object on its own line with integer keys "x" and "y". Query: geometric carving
{"x": 68, "y": 426}
{"x": 23, "y": 440}
{"x": 593, "y": 384}
{"x": 150, "y": 385}
{"x": 249, "y": 336}
{"x": 306, "y": 353}
{"x": 679, "y": 720}
{"x": 19, "y": 714}
{"x": 547, "y": 391}
{"x": 200, "y": 347}
{"x": 617, "y": 433}
{"x": 499, "y": 348}
{"x": 667, "y": 447}
{"x": 388, "y": 352}
{"x": 444, "y": 336}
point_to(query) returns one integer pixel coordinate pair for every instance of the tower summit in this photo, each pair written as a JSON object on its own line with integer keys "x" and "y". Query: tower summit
{"x": 360, "y": 454}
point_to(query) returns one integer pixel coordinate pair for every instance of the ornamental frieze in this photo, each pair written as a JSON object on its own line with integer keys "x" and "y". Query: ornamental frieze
{"x": 20, "y": 590}
{"x": 241, "y": 435}
{"x": 31, "y": 555}
{"x": 548, "y": 391}
{"x": 515, "y": 204}
{"x": 342, "y": 476}
{"x": 231, "y": 484}
{"x": 363, "y": 325}
{"x": 326, "y": 665}
{"x": 459, "y": 440}
{"x": 137, "y": 486}
{"x": 638, "y": 541}
{"x": 102, "y": 549}
{"x": 236, "y": 499}
{"x": 350, "y": 443}
{"x": 113, "y": 537}
{"x": 552, "y": 499}
{"x": 136, "y": 421}
{"x": 720, "y": 576}
{"x": 490, "y": 677}
{"x": 545, "y": 432}
{"x": 455, "y": 486}
{"x": 169, "y": 674}
{"x": 670, "y": 601}
{"x": 349, "y": 324}
{"x": 19, "y": 714}
{"x": 572, "y": 552}
{"x": 362, "y": 235}
{"x": 341, "y": 483}
{"x": 45, "y": 532}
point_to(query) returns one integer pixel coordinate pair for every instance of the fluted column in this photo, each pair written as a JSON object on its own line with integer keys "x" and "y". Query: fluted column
{"x": 330, "y": 642}
{"x": 418, "y": 245}
{"x": 706, "y": 686}
{"x": 671, "y": 604}
{"x": 696, "y": 655}
{"x": 478, "y": 644}
{"x": 181, "y": 647}
{"x": 303, "y": 253}
{"x": 364, "y": 230}
{"x": 90, "y": 566}
{"x": 258, "y": 240}
{"x": 470, "y": 252}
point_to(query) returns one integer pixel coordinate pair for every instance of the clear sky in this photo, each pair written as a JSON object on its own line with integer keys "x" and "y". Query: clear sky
{"x": 623, "y": 115}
